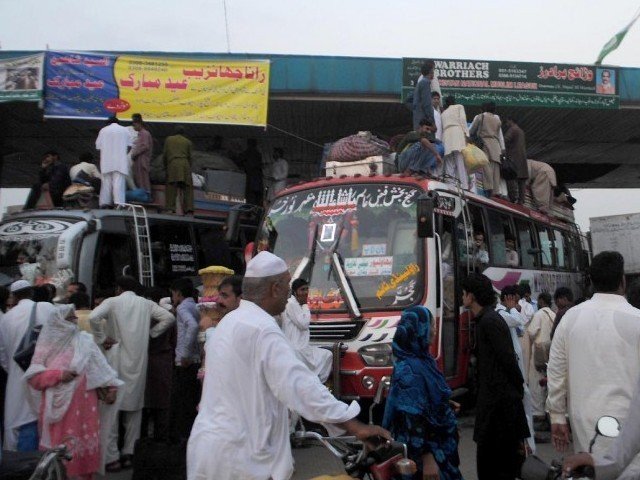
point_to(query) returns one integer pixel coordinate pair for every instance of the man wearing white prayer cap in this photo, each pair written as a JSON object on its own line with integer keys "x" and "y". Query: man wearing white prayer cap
{"x": 253, "y": 377}
{"x": 21, "y": 402}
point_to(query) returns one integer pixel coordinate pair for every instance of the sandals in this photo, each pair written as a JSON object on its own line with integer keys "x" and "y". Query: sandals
{"x": 113, "y": 467}
{"x": 126, "y": 461}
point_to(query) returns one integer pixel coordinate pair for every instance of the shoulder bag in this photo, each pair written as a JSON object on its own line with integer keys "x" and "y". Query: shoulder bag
{"x": 476, "y": 139}
{"x": 27, "y": 347}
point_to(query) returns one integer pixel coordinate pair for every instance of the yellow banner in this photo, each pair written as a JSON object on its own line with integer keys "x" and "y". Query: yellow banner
{"x": 192, "y": 91}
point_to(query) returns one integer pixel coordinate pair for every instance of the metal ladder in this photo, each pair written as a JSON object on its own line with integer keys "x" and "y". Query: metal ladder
{"x": 143, "y": 242}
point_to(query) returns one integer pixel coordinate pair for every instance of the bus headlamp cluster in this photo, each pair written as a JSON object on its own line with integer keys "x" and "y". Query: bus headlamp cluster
{"x": 377, "y": 355}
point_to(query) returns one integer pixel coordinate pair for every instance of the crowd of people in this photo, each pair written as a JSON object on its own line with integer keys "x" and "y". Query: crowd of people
{"x": 124, "y": 173}
{"x": 141, "y": 363}
{"x": 441, "y": 133}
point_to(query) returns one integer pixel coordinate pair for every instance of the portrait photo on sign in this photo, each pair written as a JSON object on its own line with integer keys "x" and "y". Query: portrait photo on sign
{"x": 605, "y": 81}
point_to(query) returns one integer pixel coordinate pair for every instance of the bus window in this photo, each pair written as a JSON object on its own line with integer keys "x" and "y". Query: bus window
{"x": 213, "y": 249}
{"x": 502, "y": 240}
{"x": 477, "y": 242}
{"x": 527, "y": 241}
{"x": 545, "y": 247}
{"x": 570, "y": 251}
{"x": 115, "y": 257}
{"x": 560, "y": 247}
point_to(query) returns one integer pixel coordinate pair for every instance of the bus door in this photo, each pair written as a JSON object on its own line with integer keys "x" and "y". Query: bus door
{"x": 455, "y": 242}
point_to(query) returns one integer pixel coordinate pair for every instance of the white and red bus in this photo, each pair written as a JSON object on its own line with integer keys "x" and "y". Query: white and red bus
{"x": 373, "y": 245}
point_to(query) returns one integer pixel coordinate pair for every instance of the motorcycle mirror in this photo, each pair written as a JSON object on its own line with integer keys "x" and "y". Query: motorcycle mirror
{"x": 608, "y": 426}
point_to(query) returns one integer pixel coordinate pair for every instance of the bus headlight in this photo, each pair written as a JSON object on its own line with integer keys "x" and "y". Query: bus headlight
{"x": 376, "y": 355}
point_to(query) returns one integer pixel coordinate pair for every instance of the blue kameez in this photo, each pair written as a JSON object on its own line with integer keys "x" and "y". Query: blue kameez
{"x": 417, "y": 411}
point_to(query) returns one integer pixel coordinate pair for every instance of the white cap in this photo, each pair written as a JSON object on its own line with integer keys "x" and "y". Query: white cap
{"x": 19, "y": 285}
{"x": 265, "y": 264}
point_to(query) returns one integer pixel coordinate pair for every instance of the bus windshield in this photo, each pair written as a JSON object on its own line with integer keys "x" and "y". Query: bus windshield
{"x": 372, "y": 227}
{"x": 28, "y": 250}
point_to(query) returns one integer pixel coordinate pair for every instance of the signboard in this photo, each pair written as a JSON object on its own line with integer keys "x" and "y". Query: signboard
{"x": 21, "y": 78}
{"x": 520, "y": 84}
{"x": 233, "y": 92}
{"x": 182, "y": 257}
{"x": 619, "y": 233}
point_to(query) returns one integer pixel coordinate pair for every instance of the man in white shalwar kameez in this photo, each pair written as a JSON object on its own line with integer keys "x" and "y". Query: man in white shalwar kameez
{"x": 537, "y": 335}
{"x": 515, "y": 320}
{"x": 113, "y": 142}
{"x": 594, "y": 363}
{"x": 22, "y": 403}
{"x": 295, "y": 325}
{"x": 279, "y": 173}
{"x": 128, "y": 324}
{"x": 253, "y": 377}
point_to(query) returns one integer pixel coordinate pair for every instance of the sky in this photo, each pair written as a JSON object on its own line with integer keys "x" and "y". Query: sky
{"x": 563, "y": 31}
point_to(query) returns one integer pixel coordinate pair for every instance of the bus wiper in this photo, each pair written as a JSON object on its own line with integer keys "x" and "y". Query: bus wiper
{"x": 308, "y": 261}
{"x": 345, "y": 286}
{"x": 342, "y": 280}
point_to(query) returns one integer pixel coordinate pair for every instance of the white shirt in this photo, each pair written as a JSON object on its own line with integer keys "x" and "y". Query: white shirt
{"x": 112, "y": 142}
{"x": 86, "y": 167}
{"x": 21, "y": 402}
{"x": 438, "y": 121}
{"x": 528, "y": 310}
{"x": 128, "y": 321}
{"x": 295, "y": 325}
{"x": 279, "y": 174}
{"x": 594, "y": 366}
{"x": 516, "y": 321}
{"x": 252, "y": 377}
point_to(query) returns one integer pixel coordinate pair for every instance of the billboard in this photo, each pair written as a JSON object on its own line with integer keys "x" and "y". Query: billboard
{"x": 21, "y": 78}
{"x": 92, "y": 86}
{"x": 520, "y": 84}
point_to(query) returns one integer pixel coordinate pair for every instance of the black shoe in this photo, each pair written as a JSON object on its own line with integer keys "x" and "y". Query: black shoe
{"x": 126, "y": 461}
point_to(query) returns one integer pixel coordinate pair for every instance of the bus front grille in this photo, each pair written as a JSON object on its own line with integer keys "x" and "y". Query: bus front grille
{"x": 333, "y": 331}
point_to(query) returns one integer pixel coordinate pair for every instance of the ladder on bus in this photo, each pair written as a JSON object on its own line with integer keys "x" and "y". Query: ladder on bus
{"x": 143, "y": 242}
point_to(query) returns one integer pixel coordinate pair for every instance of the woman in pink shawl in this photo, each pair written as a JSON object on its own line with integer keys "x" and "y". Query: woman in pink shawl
{"x": 71, "y": 371}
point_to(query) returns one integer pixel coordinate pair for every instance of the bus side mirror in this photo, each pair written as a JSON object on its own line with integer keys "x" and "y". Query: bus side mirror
{"x": 425, "y": 206}
{"x": 232, "y": 225}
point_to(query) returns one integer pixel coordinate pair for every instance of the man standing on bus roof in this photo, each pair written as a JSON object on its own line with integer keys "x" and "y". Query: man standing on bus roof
{"x": 516, "y": 150}
{"x": 594, "y": 363}
{"x": 177, "y": 161}
{"x": 422, "y": 107}
{"x": 141, "y": 154}
{"x": 128, "y": 324}
{"x": 241, "y": 430}
{"x": 113, "y": 142}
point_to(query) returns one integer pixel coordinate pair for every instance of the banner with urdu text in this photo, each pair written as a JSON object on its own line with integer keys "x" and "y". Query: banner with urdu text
{"x": 520, "y": 84}
{"x": 232, "y": 92}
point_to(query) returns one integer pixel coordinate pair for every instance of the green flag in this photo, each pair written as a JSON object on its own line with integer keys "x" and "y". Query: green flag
{"x": 616, "y": 40}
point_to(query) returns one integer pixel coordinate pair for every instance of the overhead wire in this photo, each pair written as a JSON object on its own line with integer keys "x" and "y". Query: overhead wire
{"x": 295, "y": 136}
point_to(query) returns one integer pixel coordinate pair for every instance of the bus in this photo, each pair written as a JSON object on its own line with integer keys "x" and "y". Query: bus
{"x": 373, "y": 245}
{"x": 95, "y": 246}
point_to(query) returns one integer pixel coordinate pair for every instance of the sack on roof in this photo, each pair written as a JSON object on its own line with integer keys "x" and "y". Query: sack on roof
{"x": 357, "y": 147}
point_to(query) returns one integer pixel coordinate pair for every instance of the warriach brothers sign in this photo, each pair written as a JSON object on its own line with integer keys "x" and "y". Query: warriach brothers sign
{"x": 474, "y": 82}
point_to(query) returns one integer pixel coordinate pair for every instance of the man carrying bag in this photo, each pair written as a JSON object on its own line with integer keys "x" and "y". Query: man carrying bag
{"x": 22, "y": 402}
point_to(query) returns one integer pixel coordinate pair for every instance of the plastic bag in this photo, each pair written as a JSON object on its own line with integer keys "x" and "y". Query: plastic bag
{"x": 138, "y": 195}
{"x": 474, "y": 158}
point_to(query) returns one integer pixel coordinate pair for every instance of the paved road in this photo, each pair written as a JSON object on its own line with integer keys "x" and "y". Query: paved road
{"x": 317, "y": 460}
